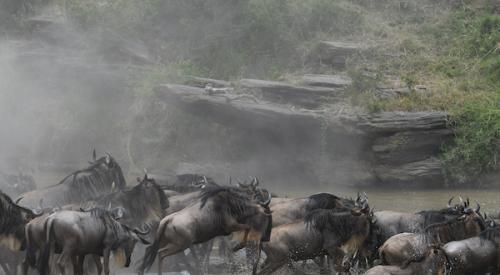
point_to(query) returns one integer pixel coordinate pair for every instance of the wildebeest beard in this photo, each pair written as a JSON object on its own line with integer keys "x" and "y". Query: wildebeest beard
{"x": 343, "y": 225}
{"x": 80, "y": 186}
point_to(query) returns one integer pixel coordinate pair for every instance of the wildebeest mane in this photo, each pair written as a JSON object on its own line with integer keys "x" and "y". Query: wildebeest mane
{"x": 437, "y": 216}
{"x": 90, "y": 183}
{"x": 342, "y": 224}
{"x": 440, "y": 233}
{"x": 491, "y": 234}
{"x": 137, "y": 202}
{"x": 232, "y": 201}
{"x": 322, "y": 201}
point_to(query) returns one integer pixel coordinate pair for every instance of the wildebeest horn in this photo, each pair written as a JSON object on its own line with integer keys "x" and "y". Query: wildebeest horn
{"x": 449, "y": 201}
{"x": 145, "y": 174}
{"x": 141, "y": 232}
{"x": 205, "y": 181}
{"x": 478, "y": 207}
{"x": 113, "y": 186}
{"x": 109, "y": 206}
{"x": 19, "y": 199}
{"x": 108, "y": 158}
{"x": 266, "y": 203}
{"x": 94, "y": 157}
{"x": 461, "y": 200}
{"x": 255, "y": 182}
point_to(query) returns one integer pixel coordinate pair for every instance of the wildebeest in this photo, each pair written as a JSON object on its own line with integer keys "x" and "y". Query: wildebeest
{"x": 401, "y": 248}
{"x": 219, "y": 212}
{"x": 321, "y": 232}
{"x": 476, "y": 255}
{"x": 13, "y": 219}
{"x": 390, "y": 223}
{"x": 101, "y": 177}
{"x": 97, "y": 232}
{"x": 291, "y": 210}
{"x": 433, "y": 262}
{"x": 144, "y": 203}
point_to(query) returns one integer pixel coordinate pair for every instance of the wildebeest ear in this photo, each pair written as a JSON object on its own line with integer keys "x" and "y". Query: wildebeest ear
{"x": 107, "y": 158}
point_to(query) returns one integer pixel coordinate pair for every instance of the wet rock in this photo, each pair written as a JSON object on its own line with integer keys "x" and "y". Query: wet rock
{"x": 284, "y": 93}
{"x": 321, "y": 80}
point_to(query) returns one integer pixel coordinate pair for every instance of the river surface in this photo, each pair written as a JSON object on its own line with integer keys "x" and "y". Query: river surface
{"x": 411, "y": 200}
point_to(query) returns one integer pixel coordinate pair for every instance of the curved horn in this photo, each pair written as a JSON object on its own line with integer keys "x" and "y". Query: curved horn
{"x": 94, "y": 157}
{"x": 145, "y": 173}
{"x": 141, "y": 232}
{"x": 449, "y": 201}
{"x": 478, "y": 207}
{"x": 19, "y": 199}
{"x": 468, "y": 202}
{"x": 205, "y": 181}
{"x": 461, "y": 200}
{"x": 266, "y": 203}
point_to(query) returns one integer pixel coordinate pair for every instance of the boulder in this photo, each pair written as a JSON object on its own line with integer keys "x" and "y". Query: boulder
{"x": 335, "y": 53}
{"x": 392, "y": 122}
{"x": 321, "y": 80}
{"x": 284, "y": 93}
{"x": 201, "y": 82}
{"x": 409, "y": 146}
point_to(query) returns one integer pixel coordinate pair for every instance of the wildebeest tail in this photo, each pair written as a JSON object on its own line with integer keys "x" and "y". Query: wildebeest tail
{"x": 43, "y": 263}
{"x": 152, "y": 250}
{"x": 30, "y": 249}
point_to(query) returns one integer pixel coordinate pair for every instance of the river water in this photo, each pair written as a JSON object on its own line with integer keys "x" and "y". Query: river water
{"x": 410, "y": 200}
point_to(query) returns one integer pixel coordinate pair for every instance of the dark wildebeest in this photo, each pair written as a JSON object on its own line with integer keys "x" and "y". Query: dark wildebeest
{"x": 144, "y": 203}
{"x": 101, "y": 177}
{"x": 219, "y": 212}
{"x": 402, "y": 248}
{"x": 96, "y": 232}
{"x": 390, "y": 223}
{"x": 291, "y": 210}
{"x": 476, "y": 255}
{"x": 13, "y": 219}
{"x": 322, "y": 232}
{"x": 432, "y": 262}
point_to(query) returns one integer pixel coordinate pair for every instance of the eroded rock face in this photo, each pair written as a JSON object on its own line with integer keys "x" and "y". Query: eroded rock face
{"x": 331, "y": 146}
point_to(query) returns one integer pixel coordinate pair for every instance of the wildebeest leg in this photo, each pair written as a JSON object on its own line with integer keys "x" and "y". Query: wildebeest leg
{"x": 75, "y": 260}
{"x": 105, "y": 256}
{"x": 256, "y": 259}
{"x": 61, "y": 263}
{"x": 98, "y": 264}
{"x": 6, "y": 268}
{"x": 166, "y": 251}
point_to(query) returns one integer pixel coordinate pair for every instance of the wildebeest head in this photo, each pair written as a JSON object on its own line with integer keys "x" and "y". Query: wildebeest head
{"x": 246, "y": 210}
{"x": 107, "y": 165}
{"x": 13, "y": 219}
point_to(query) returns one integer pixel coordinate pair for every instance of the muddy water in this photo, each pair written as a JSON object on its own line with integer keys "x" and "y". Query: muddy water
{"x": 412, "y": 200}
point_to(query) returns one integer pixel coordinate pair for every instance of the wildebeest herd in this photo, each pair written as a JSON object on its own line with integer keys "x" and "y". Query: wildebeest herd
{"x": 91, "y": 216}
